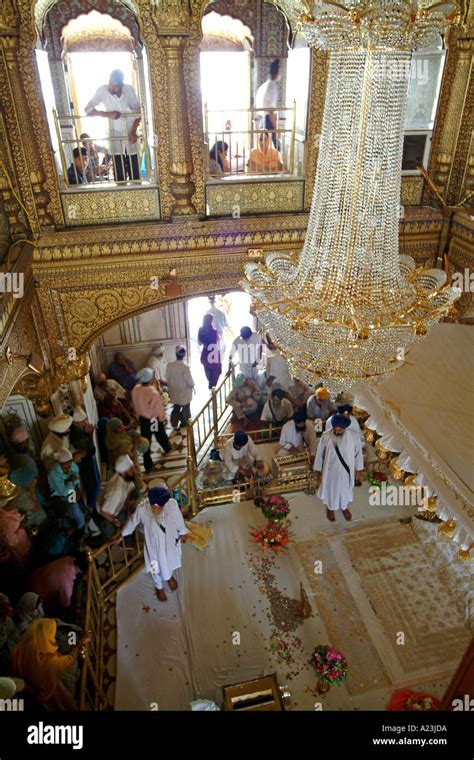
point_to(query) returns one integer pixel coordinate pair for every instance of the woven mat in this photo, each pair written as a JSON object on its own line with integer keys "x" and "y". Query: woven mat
{"x": 377, "y": 582}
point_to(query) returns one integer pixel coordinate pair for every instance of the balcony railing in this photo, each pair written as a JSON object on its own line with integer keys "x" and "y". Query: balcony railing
{"x": 253, "y": 149}
{"x": 106, "y": 161}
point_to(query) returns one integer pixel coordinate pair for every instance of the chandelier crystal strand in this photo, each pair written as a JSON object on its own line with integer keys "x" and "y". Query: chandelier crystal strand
{"x": 351, "y": 306}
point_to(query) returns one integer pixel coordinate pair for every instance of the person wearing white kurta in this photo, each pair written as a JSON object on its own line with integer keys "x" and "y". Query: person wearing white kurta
{"x": 248, "y": 346}
{"x": 295, "y": 434}
{"x": 164, "y": 531}
{"x": 278, "y": 372}
{"x": 354, "y": 426}
{"x": 337, "y": 472}
{"x": 57, "y": 439}
{"x": 240, "y": 453}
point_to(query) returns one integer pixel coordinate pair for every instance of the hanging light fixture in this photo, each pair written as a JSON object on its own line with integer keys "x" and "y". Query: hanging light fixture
{"x": 350, "y": 306}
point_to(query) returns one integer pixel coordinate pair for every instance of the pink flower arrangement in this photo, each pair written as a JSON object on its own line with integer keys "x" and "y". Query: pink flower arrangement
{"x": 329, "y": 664}
{"x": 275, "y": 508}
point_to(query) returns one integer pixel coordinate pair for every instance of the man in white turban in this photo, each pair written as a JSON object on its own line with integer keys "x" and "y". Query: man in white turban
{"x": 157, "y": 362}
{"x": 57, "y": 439}
{"x": 116, "y": 498}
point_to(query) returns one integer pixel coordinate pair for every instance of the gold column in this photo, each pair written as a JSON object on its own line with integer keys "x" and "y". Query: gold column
{"x": 180, "y": 160}
{"x": 454, "y": 121}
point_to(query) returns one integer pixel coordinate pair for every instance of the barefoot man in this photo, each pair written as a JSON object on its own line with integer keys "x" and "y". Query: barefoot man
{"x": 164, "y": 530}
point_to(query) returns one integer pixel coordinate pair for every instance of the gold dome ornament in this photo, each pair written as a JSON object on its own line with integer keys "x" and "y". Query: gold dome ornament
{"x": 446, "y": 529}
{"x": 432, "y": 503}
{"x": 464, "y": 555}
{"x": 383, "y": 454}
{"x": 8, "y": 490}
{"x": 369, "y": 435}
{"x": 396, "y": 471}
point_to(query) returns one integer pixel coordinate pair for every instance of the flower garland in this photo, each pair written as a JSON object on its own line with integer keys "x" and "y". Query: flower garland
{"x": 273, "y": 537}
{"x": 330, "y": 664}
{"x": 377, "y": 478}
{"x": 275, "y": 508}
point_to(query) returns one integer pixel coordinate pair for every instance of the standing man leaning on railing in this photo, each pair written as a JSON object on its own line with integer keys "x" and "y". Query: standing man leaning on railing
{"x": 119, "y": 99}
{"x": 267, "y": 97}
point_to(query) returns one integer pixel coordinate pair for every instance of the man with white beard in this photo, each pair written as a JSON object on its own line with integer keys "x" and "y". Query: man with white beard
{"x": 338, "y": 463}
{"x": 165, "y": 531}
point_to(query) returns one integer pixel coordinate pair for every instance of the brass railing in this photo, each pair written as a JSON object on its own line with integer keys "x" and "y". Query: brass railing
{"x": 105, "y": 160}
{"x": 242, "y": 142}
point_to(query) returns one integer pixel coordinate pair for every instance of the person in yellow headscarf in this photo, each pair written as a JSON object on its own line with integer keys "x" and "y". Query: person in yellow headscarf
{"x": 37, "y": 661}
{"x": 264, "y": 159}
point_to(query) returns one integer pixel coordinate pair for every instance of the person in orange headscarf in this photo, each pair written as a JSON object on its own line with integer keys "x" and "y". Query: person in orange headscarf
{"x": 37, "y": 661}
{"x": 264, "y": 159}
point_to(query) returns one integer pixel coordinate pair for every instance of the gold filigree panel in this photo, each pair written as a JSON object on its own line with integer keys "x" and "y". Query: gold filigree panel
{"x": 412, "y": 189}
{"x": 257, "y": 197}
{"x": 105, "y": 206}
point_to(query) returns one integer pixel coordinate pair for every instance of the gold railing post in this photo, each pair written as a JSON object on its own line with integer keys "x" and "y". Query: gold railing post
{"x": 215, "y": 421}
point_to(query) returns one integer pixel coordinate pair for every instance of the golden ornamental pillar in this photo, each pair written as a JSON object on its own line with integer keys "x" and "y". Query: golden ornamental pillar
{"x": 180, "y": 159}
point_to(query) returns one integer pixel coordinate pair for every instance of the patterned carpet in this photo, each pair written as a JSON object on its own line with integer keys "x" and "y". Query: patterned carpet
{"x": 378, "y": 582}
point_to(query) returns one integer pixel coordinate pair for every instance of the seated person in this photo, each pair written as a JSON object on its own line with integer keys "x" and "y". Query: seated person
{"x": 123, "y": 371}
{"x": 115, "y": 501}
{"x": 218, "y": 161}
{"x": 264, "y": 159}
{"x": 298, "y": 394}
{"x": 319, "y": 405}
{"x": 277, "y": 409}
{"x": 54, "y": 583}
{"x": 241, "y": 458}
{"x": 120, "y": 441}
{"x": 29, "y": 501}
{"x": 58, "y": 535}
{"x": 97, "y": 168}
{"x": 104, "y": 385}
{"x": 64, "y": 483}
{"x": 111, "y": 407}
{"x": 77, "y": 171}
{"x": 296, "y": 434}
{"x": 244, "y": 398}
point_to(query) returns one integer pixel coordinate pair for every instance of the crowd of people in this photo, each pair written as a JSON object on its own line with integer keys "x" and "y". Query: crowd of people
{"x": 55, "y": 504}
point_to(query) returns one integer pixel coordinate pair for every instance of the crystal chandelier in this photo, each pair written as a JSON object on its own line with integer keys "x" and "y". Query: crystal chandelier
{"x": 350, "y": 307}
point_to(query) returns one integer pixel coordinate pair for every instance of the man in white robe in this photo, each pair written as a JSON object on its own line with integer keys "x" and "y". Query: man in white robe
{"x": 248, "y": 346}
{"x": 339, "y": 462}
{"x": 241, "y": 457}
{"x": 295, "y": 435}
{"x": 57, "y": 439}
{"x": 346, "y": 409}
{"x": 165, "y": 531}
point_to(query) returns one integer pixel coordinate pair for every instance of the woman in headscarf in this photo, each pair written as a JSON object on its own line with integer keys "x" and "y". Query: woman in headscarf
{"x": 37, "y": 661}
{"x": 264, "y": 159}
{"x": 14, "y": 535}
{"x": 218, "y": 161}
{"x": 29, "y": 609}
{"x": 29, "y": 501}
{"x": 9, "y": 633}
{"x": 208, "y": 338}
{"x": 111, "y": 406}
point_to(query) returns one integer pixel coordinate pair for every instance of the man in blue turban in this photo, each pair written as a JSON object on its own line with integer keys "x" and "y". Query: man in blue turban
{"x": 164, "y": 531}
{"x": 338, "y": 463}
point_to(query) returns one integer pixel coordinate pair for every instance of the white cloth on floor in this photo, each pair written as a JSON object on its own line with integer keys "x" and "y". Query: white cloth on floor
{"x": 162, "y": 532}
{"x": 235, "y": 458}
{"x": 337, "y": 485}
